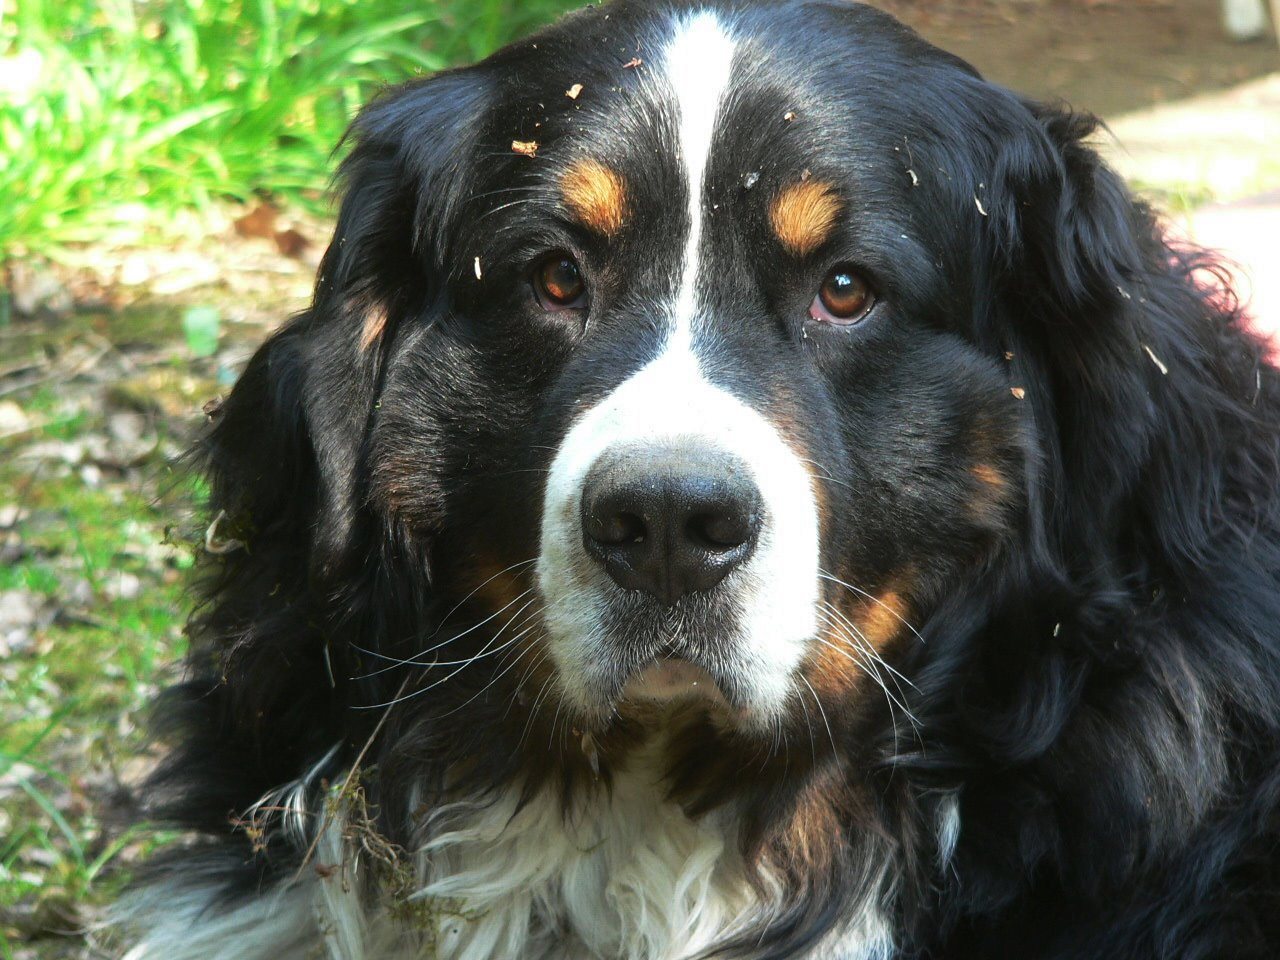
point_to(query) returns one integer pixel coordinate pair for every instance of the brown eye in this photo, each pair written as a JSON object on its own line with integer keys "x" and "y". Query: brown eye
{"x": 557, "y": 281}
{"x": 844, "y": 298}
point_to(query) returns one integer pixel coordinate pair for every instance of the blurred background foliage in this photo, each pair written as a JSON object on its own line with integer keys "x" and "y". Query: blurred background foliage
{"x": 113, "y": 109}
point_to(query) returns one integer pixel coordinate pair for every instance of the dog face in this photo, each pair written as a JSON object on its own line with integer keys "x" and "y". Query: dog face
{"x": 678, "y": 365}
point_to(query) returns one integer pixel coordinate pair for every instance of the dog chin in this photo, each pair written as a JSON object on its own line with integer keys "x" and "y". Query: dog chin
{"x": 672, "y": 679}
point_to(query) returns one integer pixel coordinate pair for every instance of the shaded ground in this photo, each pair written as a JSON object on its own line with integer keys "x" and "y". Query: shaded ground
{"x": 104, "y": 388}
{"x": 1105, "y": 56}
{"x": 1213, "y": 162}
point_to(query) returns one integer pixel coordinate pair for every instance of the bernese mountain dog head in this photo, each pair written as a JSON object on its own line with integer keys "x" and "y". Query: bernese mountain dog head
{"x": 747, "y": 484}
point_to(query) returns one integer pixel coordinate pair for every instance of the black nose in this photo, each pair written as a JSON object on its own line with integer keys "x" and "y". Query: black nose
{"x": 669, "y": 521}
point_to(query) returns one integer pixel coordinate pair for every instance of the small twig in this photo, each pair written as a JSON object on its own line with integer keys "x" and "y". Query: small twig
{"x": 351, "y": 773}
{"x": 215, "y": 546}
{"x": 58, "y": 375}
{"x": 26, "y": 366}
{"x": 30, "y": 428}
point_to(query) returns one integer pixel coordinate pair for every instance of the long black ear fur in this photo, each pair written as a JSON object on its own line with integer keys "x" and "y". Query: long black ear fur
{"x": 1145, "y": 354}
{"x": 267, "y": 696}
{"x": 1111, "y": 710}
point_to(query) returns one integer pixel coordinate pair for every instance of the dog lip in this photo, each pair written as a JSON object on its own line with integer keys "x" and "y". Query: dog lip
{"x": 672, "y": 678}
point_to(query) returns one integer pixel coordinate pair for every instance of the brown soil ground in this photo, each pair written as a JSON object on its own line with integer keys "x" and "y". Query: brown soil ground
{"x": 1104, "y": 56}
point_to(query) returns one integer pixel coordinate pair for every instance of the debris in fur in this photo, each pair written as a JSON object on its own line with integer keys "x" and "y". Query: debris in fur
{"x": 789, "y": 116}
{"x": 388, "y": 865}
{"x": 981, "y": 209}
{"x": 915, "y": 182}
{"x": 479, "y": 274}
{"x": 219, "y": 545}
{"x": 1008, "y": 354}
{"x": 633, "y": 62}
{"x": 592, "y": 753}
{"x": 1018, "y": 392}
{"x": 256, "y": 835}
{"x": 1156, "y": 360}
{"x": 751, "y": 179}
{"x": 572, "y": 92}
{"x": 527, "y": 148}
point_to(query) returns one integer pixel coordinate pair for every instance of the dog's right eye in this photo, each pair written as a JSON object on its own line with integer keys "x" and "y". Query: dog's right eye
{"x": 558, "y": 283}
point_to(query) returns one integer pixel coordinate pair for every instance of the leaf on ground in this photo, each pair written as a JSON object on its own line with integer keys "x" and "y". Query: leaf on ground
{"x": 202, "y": 326}
{"x": 291, "y": 243}
{"x": 258, "y": 222}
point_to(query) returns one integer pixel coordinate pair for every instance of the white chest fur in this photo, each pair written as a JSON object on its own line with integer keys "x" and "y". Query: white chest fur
{"x": 625, "y": 875}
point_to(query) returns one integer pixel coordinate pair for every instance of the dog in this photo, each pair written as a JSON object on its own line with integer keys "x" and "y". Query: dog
{"x": 745, "y": 486}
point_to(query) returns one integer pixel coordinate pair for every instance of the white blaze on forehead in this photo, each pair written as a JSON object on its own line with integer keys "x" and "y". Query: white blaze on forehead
{"x": 698, "y": 65}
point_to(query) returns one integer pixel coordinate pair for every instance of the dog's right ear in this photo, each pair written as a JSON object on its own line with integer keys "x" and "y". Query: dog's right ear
{"x": 285, "y": 455}
{"x": 284, "y": 460}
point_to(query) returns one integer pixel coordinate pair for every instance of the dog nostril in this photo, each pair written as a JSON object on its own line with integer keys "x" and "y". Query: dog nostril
{"x": 720, "y": 532}
{"x": 617, "y": 529}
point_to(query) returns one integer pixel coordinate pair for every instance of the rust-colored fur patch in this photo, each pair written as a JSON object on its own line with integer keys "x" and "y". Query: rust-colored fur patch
{"x": 883, "y": 618}
{"x": 495, "y": 584}
{"x": 597, "y": 195}
{"x": 803, "y": 214}
{"x": 375, "y": 322}
{"x": 993, "y": 492}
{"x": 805, "y": 847}
{"x": 856, "y": 632}
{"x": 989, "y": 476}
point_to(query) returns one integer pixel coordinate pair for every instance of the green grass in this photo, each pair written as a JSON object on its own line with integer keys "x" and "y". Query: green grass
{"x": 74, "y": 693}
{"x": 71, "y": 700}
{"x": 113, "y": 111}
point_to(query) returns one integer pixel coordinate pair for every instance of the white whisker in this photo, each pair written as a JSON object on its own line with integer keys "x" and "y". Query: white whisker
{"x": 414, "y": 661}
{"x": 821, "y": 710}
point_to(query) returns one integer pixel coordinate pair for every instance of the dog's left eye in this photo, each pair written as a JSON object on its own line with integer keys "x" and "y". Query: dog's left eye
{"x": 844, "y": 298}
{"x": 558, "y": 283}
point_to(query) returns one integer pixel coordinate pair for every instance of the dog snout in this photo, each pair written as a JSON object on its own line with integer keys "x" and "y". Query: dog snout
{"x": 670, "y": 521}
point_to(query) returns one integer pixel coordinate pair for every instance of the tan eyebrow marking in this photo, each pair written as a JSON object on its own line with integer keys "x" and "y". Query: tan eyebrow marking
{"x": 803, "y": 214}
{"x": 596, "y": 194}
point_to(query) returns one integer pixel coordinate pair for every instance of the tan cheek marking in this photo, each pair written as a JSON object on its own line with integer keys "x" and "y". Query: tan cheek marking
{"x": 882, "y": 620}
{"x": 375, "y": 322}
{"x": 838, "y": 663}
{"x": 597, "y": 196}
{"x": 803, "y": 214}
{"x": 993, "y": 494}
{"x": 492, "y": 582}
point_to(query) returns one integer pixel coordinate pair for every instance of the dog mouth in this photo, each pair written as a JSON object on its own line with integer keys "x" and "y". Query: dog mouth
{"x": 670, "y": 679}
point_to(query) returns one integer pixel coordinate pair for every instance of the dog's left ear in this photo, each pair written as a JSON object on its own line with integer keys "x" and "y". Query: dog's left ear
{"x": 1118, "y": 333}
{"x": 1075, "y": 241}
{"x": 1091, "y": 301}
